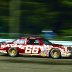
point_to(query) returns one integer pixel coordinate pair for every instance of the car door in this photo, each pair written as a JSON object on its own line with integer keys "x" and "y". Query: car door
{"x": 29, "y": 46}
{"x": 33, "y": 46}
{"x": 36, "y": 47}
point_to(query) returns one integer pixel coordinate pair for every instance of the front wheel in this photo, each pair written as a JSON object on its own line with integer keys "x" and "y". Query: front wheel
{"x": 55, "y": 53}
{"x": 12, "y": 52}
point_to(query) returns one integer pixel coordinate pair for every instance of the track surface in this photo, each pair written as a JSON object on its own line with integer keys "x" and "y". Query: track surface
{"x": 34, "y": 64}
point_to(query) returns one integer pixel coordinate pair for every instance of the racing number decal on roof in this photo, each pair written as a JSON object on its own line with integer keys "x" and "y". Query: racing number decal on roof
{"x": 32, "y": 50}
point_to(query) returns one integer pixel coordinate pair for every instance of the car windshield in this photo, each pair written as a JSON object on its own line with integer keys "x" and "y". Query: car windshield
{"x": 46, "y": 41}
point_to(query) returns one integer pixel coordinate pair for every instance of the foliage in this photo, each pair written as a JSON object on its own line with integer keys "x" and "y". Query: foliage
{"x": 36, "y": 15}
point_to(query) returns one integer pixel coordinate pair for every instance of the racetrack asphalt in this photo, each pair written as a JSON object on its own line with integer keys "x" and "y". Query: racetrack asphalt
{"x": 34, "y": 64}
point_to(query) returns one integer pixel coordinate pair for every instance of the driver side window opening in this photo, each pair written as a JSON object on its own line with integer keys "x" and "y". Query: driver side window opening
{"x": 33, "y": 42}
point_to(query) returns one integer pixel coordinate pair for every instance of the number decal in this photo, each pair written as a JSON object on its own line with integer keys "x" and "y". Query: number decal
{"x": 32, "y": 50}
{"x": 35, "y": 50}
{"x": 28, "y": 50}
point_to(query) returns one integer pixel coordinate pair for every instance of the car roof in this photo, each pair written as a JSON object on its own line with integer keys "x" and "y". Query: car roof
{"x": 30, "y": 37}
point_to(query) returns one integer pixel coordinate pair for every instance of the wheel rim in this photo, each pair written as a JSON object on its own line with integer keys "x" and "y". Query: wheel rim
{"x": 12, "y": 52}
{"x": 55, "y": 54}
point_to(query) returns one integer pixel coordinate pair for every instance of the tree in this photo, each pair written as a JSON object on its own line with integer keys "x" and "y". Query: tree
{"x": 4, "y": 13}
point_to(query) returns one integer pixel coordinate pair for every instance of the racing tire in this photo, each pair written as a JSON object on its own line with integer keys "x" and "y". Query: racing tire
{"x": 12, "y": 52}
{"x": 55, "y": 53}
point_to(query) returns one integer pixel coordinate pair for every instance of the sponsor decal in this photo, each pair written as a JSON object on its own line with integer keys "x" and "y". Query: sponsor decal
{"x": 10, "y": 45}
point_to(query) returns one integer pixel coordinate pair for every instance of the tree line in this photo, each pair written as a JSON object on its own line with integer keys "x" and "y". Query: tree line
{"x": 36, "y": 15}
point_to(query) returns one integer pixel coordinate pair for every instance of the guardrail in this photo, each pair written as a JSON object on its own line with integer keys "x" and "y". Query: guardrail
{"x": 66, "y": 43}
{"x": 6, "y": 40}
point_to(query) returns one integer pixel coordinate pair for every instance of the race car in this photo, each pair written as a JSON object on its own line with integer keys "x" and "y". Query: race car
{"x": 35, "y": 46}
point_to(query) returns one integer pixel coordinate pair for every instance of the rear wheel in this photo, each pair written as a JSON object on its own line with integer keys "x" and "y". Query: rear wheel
{"x": 12, "y": 52}
{"x": 55, "y": 53}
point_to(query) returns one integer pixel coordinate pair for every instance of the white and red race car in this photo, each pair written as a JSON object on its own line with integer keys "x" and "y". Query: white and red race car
{"x": 35, "y": 46}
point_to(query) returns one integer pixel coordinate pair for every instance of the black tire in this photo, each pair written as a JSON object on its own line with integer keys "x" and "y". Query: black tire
{"x": 55, "y": 53}
{"x": 12, "y": 52}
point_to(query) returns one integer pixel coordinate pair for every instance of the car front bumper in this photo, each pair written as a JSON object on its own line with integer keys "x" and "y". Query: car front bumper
{"x": 66, "y": 54}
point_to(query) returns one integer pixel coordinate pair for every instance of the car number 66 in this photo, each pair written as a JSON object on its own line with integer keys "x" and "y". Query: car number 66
{"x": 31, "y": 50}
